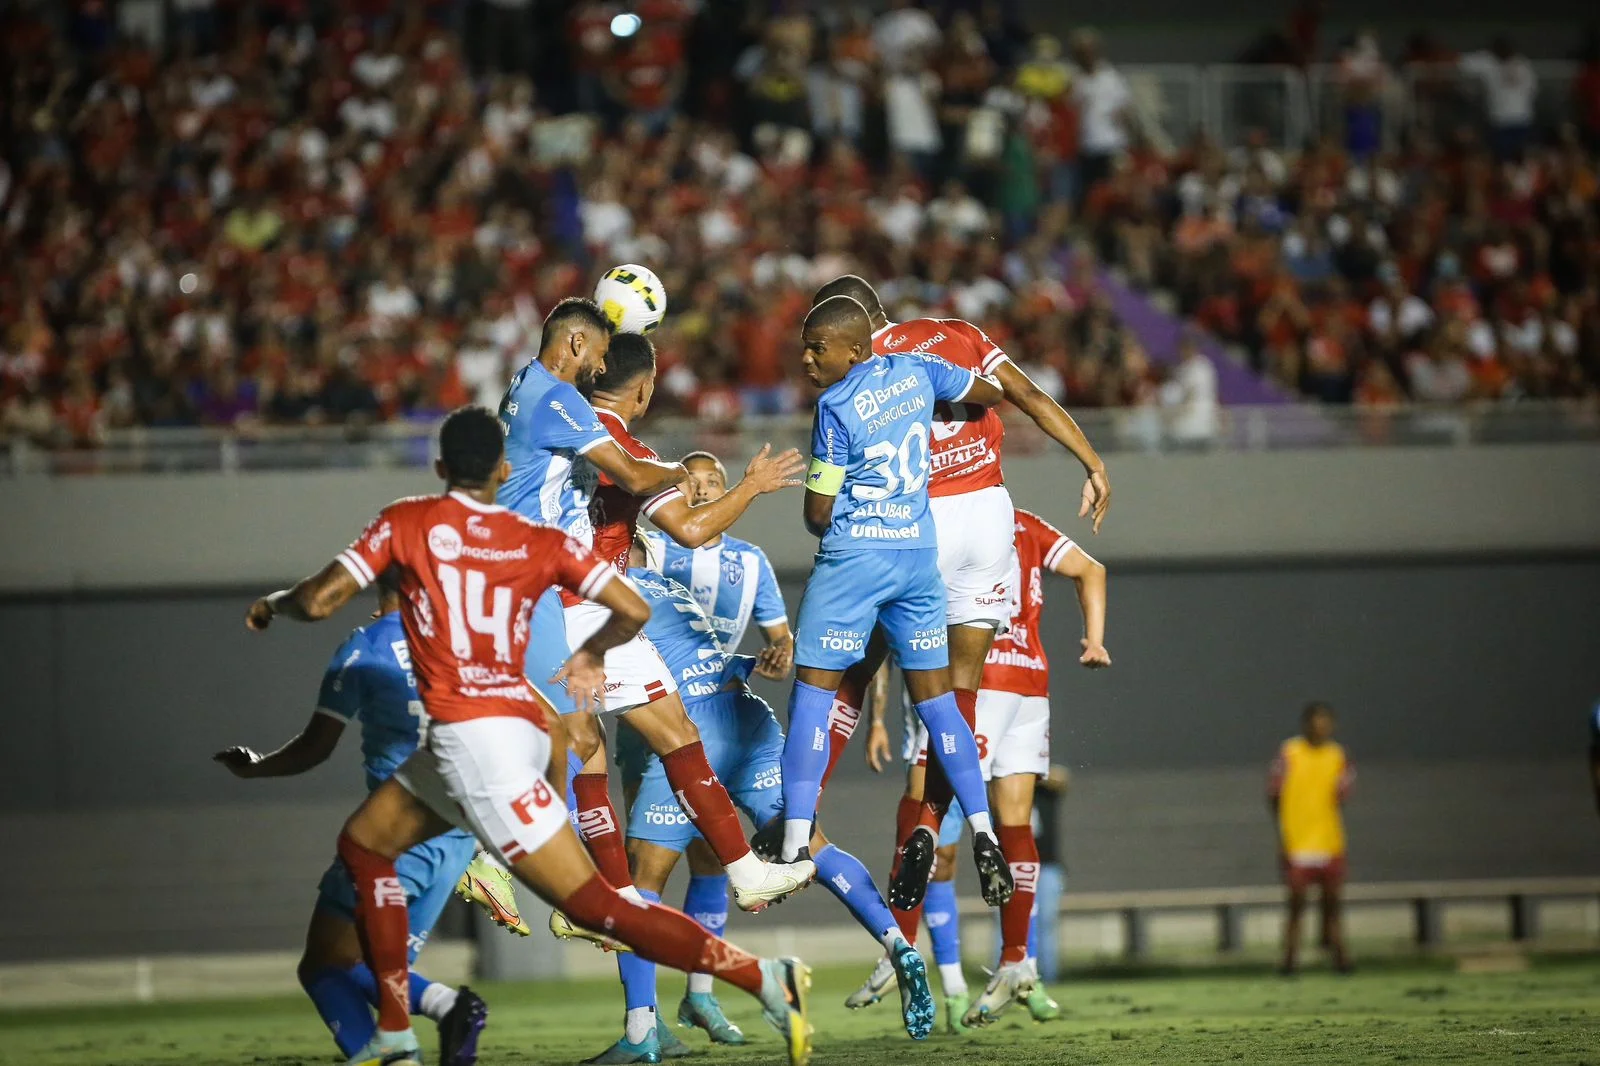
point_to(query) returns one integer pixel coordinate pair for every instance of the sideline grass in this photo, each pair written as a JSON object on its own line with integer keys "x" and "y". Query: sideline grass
{"x": 1395, "y": 1014}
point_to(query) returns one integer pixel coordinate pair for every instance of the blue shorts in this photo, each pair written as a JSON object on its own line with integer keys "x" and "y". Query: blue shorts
{"x": 548, "y": 650}
{"x": 428, "y": 872}
{"x": 851, "y": 591}
{"x": 744, "y": 745}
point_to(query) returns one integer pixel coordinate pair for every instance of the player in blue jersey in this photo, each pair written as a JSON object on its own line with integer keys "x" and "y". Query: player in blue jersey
{"x": 549, "y": 426}
{"x": 731, "y": 579}
{"x": 866, "y": 498}
{"x": 733, "y": 582}
{"x": 369, "y": 678}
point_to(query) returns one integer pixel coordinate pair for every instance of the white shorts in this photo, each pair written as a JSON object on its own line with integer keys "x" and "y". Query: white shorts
{"x": 978, "y": 556}
{"x": 1013, "y": 735}
{"x": 486, "y": 776}
{"x": 635, "y": 672}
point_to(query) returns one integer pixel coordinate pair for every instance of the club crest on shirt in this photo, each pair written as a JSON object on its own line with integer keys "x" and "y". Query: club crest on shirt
{"x": 732, "y": 570}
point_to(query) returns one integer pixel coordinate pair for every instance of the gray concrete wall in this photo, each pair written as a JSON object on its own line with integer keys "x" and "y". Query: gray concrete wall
{"x": 204, "y": 531}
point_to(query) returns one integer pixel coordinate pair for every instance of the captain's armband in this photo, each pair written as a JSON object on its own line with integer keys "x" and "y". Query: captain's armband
{"x": 824, "y": 478}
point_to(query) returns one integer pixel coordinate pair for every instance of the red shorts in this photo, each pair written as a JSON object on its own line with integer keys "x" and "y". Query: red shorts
{"x": 1301, "y": 876}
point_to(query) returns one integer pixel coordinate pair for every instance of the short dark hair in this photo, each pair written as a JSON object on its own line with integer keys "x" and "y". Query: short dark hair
{"x": 1314, "y": 708}
{"x": 630, "y": 357}
{"x": 574, "y": 311}
{"x": 854, "y": 287}
{"x": 471, "y": 443}
{"x": 840, "y": 312}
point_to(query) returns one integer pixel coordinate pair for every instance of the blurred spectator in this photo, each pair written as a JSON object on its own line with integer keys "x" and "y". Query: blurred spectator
{"x": 1190, "y": 397}
{"x": 1103, "y": 98}
{"x": 1509, "y": 89}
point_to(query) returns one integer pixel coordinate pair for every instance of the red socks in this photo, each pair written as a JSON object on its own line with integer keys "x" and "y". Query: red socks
{"x": 905, "y": 820}
{"x": 597, "y": 825}
{"x": 661, "y": 935}
{"x": 1022, "y": 855}
{"x": 842, "y": 721}
{"x": 382, "y": 924}
{"x": 705, "y": 801}
{"x": 937, "y": 793}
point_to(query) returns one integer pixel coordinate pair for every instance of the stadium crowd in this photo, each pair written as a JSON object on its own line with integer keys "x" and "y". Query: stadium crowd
{"x": 296, "y": 212}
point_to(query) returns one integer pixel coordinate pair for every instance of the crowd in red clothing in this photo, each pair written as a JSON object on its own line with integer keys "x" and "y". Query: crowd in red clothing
{"x": 332, "y": 216}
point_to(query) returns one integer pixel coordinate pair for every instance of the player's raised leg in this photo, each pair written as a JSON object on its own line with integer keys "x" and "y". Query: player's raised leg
{"x": 388, "y": 822}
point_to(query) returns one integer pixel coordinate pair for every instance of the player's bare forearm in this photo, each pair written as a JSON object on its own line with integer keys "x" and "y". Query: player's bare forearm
{"x": 642, "y": 477}
{"x": 877, "y": 695}
{"x": 694, "y": 526}
{"x": 1060, "y": 427}
{"x": 629, "y": 613}
{"x": 308, "y": 749}
{"x": 1092, "y": 602}
{"x": 311, "y": 600}
{"x": 777, "y": 658}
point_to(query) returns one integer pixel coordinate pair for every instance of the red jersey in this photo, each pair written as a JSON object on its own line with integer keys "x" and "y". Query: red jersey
{"x": 614, "y": 510}
{"x": 965, "y": 454}
{"x": 470, "y": 574}
{"x": 1017, "y": 661}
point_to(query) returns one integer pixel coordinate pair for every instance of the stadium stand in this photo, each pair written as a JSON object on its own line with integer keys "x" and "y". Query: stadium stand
{"x": 299, "y": 213}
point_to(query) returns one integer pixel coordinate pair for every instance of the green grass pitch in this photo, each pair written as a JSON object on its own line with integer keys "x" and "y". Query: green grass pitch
{"x": 1411, "y": 1013}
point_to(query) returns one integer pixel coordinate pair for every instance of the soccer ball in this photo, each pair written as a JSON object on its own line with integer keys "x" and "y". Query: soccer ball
{"x": 632, "y": 297}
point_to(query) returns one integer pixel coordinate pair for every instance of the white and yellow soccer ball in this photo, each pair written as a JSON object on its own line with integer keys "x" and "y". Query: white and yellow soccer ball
{"x": 632, "y": 297}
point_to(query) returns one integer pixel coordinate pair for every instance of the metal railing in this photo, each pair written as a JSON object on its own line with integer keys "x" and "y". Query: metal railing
{"x": 1132, "y": 429}
{"x": 1290, "y": 106}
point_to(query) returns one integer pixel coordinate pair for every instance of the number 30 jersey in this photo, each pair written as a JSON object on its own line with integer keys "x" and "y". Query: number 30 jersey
{"x": 870, "y": 448}
{"x": 469, "y": 574}
{"x": 966, "y": 450}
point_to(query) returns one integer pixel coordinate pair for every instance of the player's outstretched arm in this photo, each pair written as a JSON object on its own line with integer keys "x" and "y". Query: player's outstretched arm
{"x": 307, "y": 749}
{"x": 693, "y": 526}
{"x": 584, "y": 673}
{"x": 879, "y": 752}
{"x": 1060, "y": 426}
{"x": 1089, "y": 575}
{"x": 642, "y": 477}
{"x": 311, "y": 600}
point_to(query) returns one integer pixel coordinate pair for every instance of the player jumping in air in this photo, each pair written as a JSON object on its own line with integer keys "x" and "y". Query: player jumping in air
{"x": 560, "y": 449}
{"x": 470, "y": 573}
{"x": 972, "y": 512}
{"x": 866, "y": 497}
{"x": 639, "y": 685}
{"x": 1306, "y": 790}
{"x": 369, "y": 678}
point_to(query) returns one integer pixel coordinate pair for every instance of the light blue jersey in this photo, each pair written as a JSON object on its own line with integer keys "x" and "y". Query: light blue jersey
{"x": 686, "y": 638}
{"x": 731, "y": 580}
{"x": 869, "y": 449}
{"x": 743, "y": 741}
{"x": 548, "y": 425}
{"x": 370, "y": 679}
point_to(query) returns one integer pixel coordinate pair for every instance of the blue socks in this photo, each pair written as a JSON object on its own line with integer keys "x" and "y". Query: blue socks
{"x": 846, "y": 878}
{"x": 950, "y": 741}
{"x": 344, "y": 1007}
{"x": 345, "y": 998}
{"x": 1033, "y": 930}
{"x": 805, "y": 759}
{"x": 707, "y": 902}
{"x": 939, "y": 911}
{"x": 638, "y": 976}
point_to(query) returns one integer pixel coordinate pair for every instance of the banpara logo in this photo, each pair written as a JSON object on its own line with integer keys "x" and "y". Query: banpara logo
{"x": 445, "y": 543}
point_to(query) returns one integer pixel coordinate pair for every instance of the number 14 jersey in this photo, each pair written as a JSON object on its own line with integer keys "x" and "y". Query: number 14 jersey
{"x": 469, "y": 574}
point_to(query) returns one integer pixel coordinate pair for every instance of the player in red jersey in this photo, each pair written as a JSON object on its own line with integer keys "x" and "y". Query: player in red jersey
{"x": 972, "y": 513}
{"x": 639, "y": 685}
{"x": 1013, "y": 734}
{"x": 470, "y": 573}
